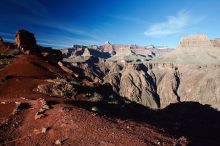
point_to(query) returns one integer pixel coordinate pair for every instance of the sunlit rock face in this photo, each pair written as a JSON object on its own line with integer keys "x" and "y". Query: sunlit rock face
{"x": 194, "y": 49}
{"x": 196, "y": 41}
{"x": 107, "y": 47}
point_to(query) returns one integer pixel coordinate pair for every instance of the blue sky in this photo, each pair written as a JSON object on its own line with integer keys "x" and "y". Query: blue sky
{"x": 62, "y": 23}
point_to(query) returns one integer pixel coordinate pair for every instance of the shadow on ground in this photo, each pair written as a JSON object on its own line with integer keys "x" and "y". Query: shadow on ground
{"x": 200, "y": 124}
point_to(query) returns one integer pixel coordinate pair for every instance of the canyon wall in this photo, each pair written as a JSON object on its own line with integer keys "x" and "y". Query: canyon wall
{"x": 156, "y": 85}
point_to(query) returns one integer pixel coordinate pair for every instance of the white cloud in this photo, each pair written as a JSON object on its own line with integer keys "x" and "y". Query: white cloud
{"x": 172, "y": 25}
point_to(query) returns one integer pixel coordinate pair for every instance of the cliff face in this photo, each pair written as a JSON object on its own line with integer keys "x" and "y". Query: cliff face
{"x": 189, "y": 83}
{"x": 194, "y": 49}
{"x": 25, "y": 40}
{"x": 159, "y": 84}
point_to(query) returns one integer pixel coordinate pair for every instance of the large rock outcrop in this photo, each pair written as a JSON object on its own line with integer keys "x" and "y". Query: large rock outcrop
{"x": 195, "y": 41}
{"x": 86, "y": 53}
{"x": 107, "y": 47}
{"x": 194, "y": 49}
{"x": 25, "y": 40}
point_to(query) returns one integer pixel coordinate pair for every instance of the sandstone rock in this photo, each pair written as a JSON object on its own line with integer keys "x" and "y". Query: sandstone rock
{"x": 44, "y": 130}
{"x": 86, "y": 53}
{"x": 193, "y": 49}
{"x": 25, "y": 40}
{"x": 196, "y": 40}
{"x": 107, "y": 47}
{"x": 58, "y": 142}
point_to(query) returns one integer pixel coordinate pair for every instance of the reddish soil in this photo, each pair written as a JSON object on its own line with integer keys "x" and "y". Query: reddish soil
{"x": 6, "y": 110}
{"x": 75, "y": 126}
{"x": 23, "y": 75}
{"x": 29, "y": 66}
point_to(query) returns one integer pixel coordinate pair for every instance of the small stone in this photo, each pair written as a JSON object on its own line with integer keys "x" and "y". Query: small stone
{"x": 95, "y": 109}
{"x": 44, "y": 130}
{"x": 57, "y": 142}
{"x": 23, "y": 98}
{"x": 18, "y": 103}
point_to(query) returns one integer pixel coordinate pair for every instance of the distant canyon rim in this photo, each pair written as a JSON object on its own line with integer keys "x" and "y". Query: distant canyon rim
{"x": 155, "y": 77}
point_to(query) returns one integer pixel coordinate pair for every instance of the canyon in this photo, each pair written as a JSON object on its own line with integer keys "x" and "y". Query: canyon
{"x": 189, "y": 73}
{"x": 109, "y": 94}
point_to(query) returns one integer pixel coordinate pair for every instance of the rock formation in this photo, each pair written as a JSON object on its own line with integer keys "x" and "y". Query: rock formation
{"x": 86, "y": 53}
{"x": 194, "y": 49}
{"x": 113, "y": 52}
{"x": 25, "y": 40}
{"x": 107, "y": 47}
{"x": 195, "y": 41}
